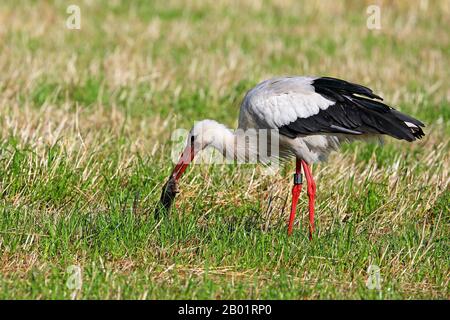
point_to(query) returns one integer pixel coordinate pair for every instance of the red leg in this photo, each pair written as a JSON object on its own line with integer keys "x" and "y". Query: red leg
{"x": 311, "y": 195}
{"x": 296, "y": 189}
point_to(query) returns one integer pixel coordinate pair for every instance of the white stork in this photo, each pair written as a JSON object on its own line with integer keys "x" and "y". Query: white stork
{"x": 312, "y": 115}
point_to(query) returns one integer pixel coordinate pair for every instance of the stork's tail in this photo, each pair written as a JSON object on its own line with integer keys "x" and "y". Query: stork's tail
{"x": 413, "y": 124}
{"x": 389, "y": 121}
{"x": 375, "y": 116}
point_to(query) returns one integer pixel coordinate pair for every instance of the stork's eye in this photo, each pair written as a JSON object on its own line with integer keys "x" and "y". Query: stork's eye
{"x": 192, "y": 139}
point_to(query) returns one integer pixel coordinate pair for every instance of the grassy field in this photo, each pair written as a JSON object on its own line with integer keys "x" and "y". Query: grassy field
{"x": 86, "y": 118}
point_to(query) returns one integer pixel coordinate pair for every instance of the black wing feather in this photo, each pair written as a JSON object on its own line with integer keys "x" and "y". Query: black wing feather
{"x": 342, "y": 86}
{"x": 354, "y": 112}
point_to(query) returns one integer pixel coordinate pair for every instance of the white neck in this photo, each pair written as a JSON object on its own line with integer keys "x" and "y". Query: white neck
{"x": 238, "y": 145}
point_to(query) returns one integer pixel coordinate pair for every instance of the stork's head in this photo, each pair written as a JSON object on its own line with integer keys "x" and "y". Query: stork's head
{"x": 202, "y": 135}
{"x": 205, "y": 133}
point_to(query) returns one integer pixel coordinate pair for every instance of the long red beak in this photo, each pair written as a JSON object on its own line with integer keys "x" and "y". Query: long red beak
{"x": 185, "y": 159}
{"x": 170, "y": 189}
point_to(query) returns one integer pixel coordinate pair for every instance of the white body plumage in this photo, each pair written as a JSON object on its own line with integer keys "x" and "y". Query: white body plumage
{"x": 277, "y": 102}
{"x": 312, "y": 116}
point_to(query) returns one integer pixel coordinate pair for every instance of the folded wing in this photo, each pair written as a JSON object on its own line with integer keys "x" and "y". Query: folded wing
{"x": 299, "y": 106}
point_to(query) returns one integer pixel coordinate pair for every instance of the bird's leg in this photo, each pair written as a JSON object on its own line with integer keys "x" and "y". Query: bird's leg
{"x": 311, "y": 195}
{"x": 296, "y": 189}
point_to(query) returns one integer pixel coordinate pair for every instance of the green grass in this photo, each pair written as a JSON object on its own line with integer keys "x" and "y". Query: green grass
{"x": 85, "y": 122}
{"x": 205, "y": 262}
